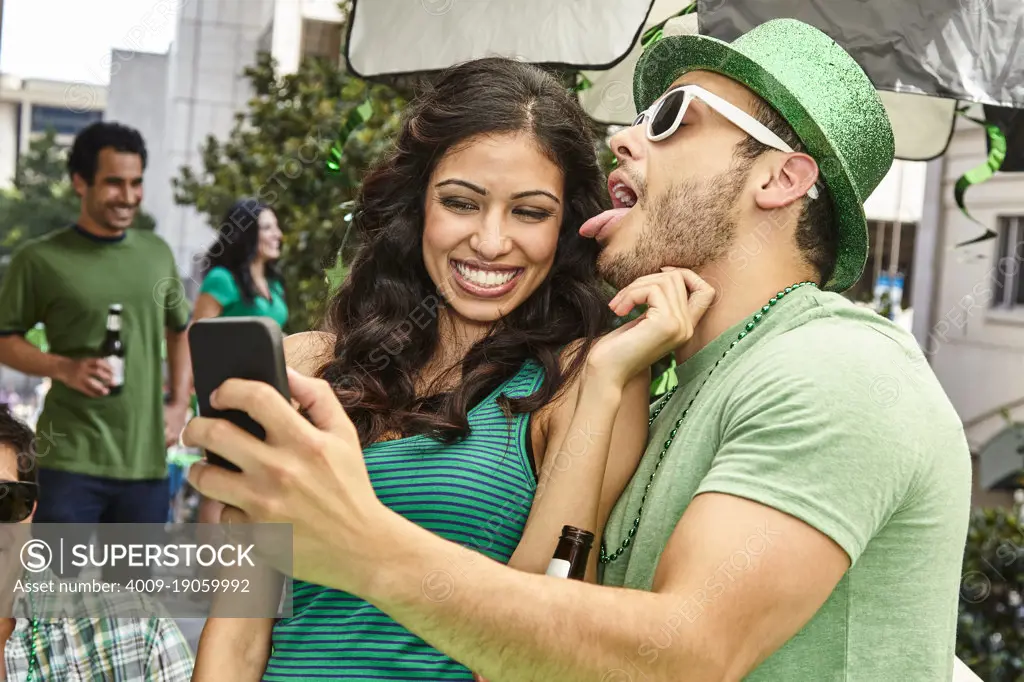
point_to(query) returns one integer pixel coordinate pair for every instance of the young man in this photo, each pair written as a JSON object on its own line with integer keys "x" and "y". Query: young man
{"x": 801, "y": 511}
{"x": 88, "y": 646}
{"x": 102, "y": 455}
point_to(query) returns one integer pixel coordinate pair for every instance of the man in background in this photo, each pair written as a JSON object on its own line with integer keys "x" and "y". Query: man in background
{"x": 102, "y": 454}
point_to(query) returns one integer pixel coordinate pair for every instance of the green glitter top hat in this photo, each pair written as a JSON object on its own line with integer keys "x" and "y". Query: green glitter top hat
{"x": 819, "y": 89}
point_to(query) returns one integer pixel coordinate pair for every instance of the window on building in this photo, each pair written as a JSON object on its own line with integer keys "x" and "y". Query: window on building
{"x": 321, "y": 39}
{"x": 62, "y": 119}
{"x": 888, "y": 248}
{"x": 1008, "y": 287}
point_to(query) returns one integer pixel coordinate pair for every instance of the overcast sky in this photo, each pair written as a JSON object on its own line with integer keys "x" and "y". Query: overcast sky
{"x": 71, "y": 39}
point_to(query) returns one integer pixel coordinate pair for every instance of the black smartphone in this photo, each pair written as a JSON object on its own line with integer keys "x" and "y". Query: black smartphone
{"x": 225, "y": 348}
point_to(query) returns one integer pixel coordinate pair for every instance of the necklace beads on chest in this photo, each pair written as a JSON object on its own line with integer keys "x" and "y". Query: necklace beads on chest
{"x": 606, "y": 558}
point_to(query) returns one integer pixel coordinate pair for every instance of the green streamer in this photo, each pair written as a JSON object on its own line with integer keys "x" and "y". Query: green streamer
{"x": 37, "y": 337}
{"x": 652, "y": 36}
{"x": 979, "y": 174}
{"x": 656, "y": 33}
{"x": 335, "y": 274}
{"x": 356, "y": 118}
{"x": 666, "y": 382}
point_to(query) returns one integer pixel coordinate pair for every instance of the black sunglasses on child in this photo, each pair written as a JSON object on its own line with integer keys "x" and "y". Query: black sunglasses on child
{"x": 16, "y": 500}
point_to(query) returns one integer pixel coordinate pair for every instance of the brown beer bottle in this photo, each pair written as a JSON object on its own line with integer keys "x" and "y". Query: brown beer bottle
{"x": 112, "y": 349}
{"x": 572, "y": 553}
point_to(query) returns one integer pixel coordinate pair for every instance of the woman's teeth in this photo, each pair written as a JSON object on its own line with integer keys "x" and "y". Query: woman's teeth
{"x": 485, "y": 278}
{"x": 624, "y": 194}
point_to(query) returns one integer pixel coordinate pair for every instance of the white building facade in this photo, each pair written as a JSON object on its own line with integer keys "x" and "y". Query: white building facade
{"x": 29, "y": 106}
{"x": 973, "y": 330}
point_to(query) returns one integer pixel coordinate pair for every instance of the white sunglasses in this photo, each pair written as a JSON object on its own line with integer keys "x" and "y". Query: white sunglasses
{"x": 666, "y": 115}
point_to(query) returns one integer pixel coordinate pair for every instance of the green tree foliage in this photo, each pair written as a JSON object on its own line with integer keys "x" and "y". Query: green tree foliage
{"x": 278, "y": 150}
{"x": 42, "y": 198}
{"x": 990, "y": 636}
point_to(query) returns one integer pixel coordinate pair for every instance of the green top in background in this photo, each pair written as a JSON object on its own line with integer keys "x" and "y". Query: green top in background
{"x": 221, "y": 285}
{"x": 67, "y": 280}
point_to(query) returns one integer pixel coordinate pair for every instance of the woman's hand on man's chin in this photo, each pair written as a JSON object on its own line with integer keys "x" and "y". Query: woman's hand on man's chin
{"x": 676, "y": 300}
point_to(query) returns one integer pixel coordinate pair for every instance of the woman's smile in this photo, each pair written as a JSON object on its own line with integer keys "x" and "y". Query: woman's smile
{"x": 485, "y": 281}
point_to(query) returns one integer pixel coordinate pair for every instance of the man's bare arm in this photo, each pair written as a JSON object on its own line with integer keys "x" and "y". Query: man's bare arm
{"x": 736, "y": 581}
{"x": 603, "y": 429}
{"x": 89, "y": 376}
{"x": 17, "y": 353}
{"x": 179, "y": 368}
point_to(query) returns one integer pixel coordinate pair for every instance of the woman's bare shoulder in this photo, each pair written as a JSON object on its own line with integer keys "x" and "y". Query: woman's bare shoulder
{"x": 306, "y": 352}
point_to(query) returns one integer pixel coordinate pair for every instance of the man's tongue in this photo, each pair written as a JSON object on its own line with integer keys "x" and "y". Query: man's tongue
{"x": 592, "y": 227}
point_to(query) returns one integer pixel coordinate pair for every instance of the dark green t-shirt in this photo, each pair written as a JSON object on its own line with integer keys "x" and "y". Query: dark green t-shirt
{"x": 221, "y": 285}
{"x": 67, "y": 280}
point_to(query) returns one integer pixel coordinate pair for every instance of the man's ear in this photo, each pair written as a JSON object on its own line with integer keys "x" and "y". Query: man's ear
{"x": 79, "y": 183}
{"x": 795, "y": 174}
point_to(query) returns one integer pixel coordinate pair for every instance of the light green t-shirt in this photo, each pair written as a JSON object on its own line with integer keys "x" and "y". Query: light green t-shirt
{"x": 221, "y": 285}
{"x": 67, "y": 280}
{"x": 829, "y": 413}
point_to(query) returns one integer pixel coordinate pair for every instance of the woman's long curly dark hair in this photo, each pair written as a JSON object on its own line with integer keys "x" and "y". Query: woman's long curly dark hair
{"x": 378, "y": 314}
{"x": 237, "y": 244}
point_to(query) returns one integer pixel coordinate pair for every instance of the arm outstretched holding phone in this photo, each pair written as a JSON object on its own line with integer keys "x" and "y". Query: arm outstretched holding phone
{"x": 581, "y": 494}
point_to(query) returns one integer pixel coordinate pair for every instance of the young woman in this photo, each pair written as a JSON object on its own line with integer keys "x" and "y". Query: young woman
{"x": 457, "y": 345}
{"x": 240, "y": 279}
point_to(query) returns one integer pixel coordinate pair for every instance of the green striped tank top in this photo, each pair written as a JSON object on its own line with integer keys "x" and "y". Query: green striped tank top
{"x": 476, "y": 492}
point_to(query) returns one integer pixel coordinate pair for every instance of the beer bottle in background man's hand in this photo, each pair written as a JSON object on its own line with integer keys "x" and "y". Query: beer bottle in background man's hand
{"x": 112, "y": 349}
{"x": 571, "y": 554}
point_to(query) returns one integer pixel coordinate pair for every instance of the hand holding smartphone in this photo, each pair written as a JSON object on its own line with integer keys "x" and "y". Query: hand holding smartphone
{"x": 225, "y": 348}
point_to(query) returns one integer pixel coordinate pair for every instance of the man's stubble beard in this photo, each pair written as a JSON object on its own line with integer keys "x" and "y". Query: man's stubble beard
{"x": 689, "y": 225}
{"x": 97, "y": 211}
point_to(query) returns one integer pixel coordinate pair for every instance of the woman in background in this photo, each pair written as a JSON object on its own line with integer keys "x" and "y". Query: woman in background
{"x": 240, "y": 279}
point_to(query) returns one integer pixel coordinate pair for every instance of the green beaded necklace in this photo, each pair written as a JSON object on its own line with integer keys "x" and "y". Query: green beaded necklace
{"x": 606, "y": 558}
{"x": 33, "y": 650}
{"x": 33, "y": 646}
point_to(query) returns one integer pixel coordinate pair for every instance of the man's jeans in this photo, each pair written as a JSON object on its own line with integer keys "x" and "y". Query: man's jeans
{"x": 79, "y": 498}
